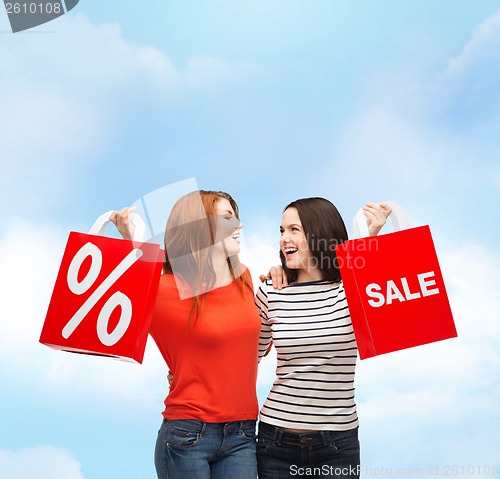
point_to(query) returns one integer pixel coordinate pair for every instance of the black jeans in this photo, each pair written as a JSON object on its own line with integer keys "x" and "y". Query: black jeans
{"x": 322, "y": 454}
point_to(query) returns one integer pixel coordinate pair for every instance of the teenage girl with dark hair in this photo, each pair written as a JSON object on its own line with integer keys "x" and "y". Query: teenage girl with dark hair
{"x": 309, "y": 418}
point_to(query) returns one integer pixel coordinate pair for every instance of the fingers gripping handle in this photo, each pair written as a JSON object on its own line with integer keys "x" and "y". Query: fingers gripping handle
{"x": 99, "y": 227}
{"x": 360, "y": 225}
{"x": 399, "y": 220}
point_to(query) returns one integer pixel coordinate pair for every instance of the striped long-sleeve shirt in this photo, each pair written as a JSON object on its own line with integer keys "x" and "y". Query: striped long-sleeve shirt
{"x": 311, "y": 329}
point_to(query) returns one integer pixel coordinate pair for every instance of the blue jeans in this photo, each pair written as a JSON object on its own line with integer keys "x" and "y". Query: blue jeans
{"x": 322, "y": 454}
{"x": 194, "y": 449}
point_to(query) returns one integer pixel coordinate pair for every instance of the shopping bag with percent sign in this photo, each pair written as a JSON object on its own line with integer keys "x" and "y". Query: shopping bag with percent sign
{"x": 104, "y": 294}
{"x": 394, "y": 287}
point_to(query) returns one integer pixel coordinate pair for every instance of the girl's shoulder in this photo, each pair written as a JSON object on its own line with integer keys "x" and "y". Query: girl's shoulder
{"x": 244, "y": 272}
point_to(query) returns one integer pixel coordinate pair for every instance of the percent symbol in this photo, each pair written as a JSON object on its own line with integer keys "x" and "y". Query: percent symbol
{"x": 117, "y": 299}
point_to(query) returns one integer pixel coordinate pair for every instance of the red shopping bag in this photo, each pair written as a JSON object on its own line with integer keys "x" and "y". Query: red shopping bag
{"x": 104, "y": 295}
{"x": 395, "y": 290}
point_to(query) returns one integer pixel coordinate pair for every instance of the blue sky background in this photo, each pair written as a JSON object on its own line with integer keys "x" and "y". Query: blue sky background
{"x": 270, "y": 101}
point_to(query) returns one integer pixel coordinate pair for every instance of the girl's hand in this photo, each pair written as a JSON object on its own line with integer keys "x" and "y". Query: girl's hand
{"x": 123, "y": 222}
{"x": 278, "y": 277}
{"x": 377, "y": 215}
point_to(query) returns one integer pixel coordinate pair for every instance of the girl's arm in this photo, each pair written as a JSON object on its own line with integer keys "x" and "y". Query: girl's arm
{"x": 266, "y": 337}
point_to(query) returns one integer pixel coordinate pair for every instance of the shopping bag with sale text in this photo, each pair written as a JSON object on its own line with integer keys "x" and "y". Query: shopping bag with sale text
{"x": 104, "y": 294}
{"x": 394, "y": 287}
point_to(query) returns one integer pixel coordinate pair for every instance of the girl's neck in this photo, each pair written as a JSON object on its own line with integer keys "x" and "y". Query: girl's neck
{"x": 223, "y": 274}
{"x": 307, "y": 275}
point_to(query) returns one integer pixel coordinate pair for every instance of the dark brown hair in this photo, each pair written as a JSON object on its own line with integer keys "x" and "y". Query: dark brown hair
{"x": 324, "y": 229}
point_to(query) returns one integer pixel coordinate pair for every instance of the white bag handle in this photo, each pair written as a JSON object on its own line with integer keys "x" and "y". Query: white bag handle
{"x": 99, "y": 227}
{"x": 399, "y": 220}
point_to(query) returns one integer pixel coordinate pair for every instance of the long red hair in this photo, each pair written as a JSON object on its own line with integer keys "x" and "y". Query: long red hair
{"x": 189, "y": 235}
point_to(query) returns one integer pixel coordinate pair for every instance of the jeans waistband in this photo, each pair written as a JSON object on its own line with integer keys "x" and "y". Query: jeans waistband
{"x": 196, "y": 425}
{"x": 279, "y": 435}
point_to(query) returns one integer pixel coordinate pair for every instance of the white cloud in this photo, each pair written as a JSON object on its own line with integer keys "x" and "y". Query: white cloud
{"x": 388, "y": 151}
{"x": 30, "y": 259}
{"x": 472, "y": 276}
{"x": 42, "y": 462}
{"x": 208, "y": 73}
{"x": 95, "y": 66}
{"x": 68, "y": 95}
{"x": 478, "y": 56}
{"x": 412, "y": 134}
{"x": 466, "y": 94}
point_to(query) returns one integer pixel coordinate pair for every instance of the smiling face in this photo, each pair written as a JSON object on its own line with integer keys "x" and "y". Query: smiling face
{"x": 227, "y": 227}
{"x": 311, "y": 228}
{"x": 293, "y": 242}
